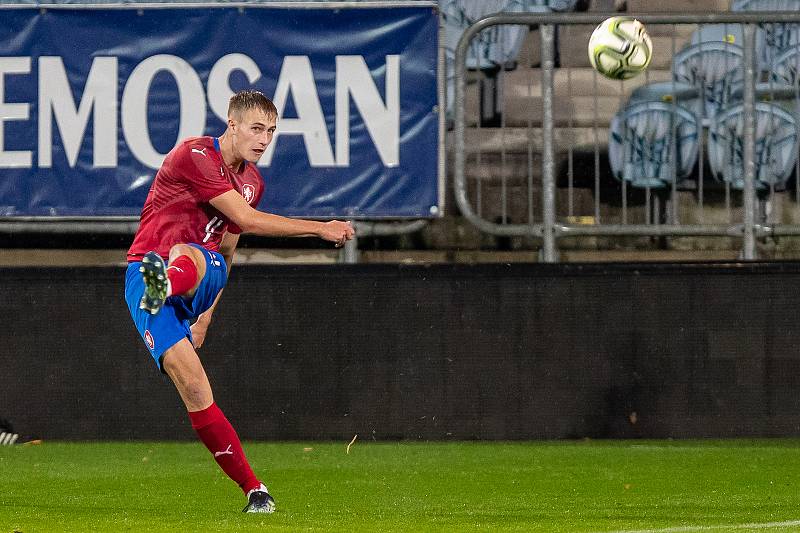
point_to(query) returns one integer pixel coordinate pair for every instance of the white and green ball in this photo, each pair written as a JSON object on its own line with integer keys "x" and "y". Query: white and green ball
{"x": 620, "y": 48}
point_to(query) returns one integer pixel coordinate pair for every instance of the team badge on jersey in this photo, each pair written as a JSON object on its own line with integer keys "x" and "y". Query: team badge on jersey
{"x": 248, "y": 192}
{"x": 148, "y": 339}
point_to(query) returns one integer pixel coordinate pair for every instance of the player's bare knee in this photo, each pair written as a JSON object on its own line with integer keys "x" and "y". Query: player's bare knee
{"x": 194, "y": 254}
{"x": 181, "y": 249}
{"x": 197, "y": 396}
{"x": 193, "y": 388}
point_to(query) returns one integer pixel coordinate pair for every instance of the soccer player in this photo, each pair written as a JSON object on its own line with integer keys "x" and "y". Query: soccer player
{"x": 202, "y": 198}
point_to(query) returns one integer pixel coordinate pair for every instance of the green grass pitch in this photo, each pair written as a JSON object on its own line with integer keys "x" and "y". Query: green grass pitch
{"x": 580, "y": 486}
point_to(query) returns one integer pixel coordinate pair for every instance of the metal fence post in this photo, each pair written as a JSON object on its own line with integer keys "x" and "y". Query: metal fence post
{"x": 749, "y": 200}
{"x": 548, "y": 181}
{"x": 349, "y": 252}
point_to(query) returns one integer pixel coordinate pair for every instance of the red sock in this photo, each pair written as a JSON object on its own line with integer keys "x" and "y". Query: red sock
{"x": 182, "y": 275}
{"x": 220, "y": 438}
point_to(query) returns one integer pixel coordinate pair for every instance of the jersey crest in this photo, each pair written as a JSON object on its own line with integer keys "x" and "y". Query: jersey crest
{"x": 148, "y": 339}
{"x": 248, "y": 192}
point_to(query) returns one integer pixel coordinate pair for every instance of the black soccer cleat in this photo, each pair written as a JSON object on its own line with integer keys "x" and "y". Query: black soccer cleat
{"x": 154, "y": 274}
{"x": 259, "y": 501}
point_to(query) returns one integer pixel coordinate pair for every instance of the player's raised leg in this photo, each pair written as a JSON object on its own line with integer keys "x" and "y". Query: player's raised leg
{"x": 183, "y": 366}
{"x": 186, "y": 269}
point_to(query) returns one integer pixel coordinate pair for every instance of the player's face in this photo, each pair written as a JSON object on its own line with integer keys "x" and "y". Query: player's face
{"x": 252, "y": 134}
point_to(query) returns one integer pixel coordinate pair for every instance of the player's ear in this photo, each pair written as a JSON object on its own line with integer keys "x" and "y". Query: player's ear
{"x": 231, "y": 123}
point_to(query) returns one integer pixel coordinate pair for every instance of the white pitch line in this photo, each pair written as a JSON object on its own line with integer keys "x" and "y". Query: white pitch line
{"x": 689, "y": 529}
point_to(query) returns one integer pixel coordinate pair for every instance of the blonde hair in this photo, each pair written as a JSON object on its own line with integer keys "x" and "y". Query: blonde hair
{"x": 248, "y": 99}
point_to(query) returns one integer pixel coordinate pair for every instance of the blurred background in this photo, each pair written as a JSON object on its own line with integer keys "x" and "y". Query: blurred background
{"x": 542, "y": 252}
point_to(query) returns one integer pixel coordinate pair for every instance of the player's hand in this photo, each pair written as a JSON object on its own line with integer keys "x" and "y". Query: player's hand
{"x": 199, "y": 330}
{"x": 337, "y": 232}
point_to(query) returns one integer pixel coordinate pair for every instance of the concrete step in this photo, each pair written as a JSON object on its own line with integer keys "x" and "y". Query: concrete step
{"x": 574, "y": 88}
{"x": 509, "y": 204}
{"x": 581, "y": 111}
{"x": 519, "y": 140}
{"x": 682, "y": 32}
{"x": 576, "y": 81}
{"x": 512, "y": 169}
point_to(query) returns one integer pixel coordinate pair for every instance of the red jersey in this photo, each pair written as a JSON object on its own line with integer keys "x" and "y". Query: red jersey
{"x": 177, "y": 209}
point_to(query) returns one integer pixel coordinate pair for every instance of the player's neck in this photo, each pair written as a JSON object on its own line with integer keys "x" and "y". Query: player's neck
{"x": 229, "y": 155}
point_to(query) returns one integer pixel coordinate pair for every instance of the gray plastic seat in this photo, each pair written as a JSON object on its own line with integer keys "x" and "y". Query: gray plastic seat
{"x": 785, "y": 67}
{"x": 653, "y": 143}
{"x": 723, "y": 33}
{"x": 713, "y": 62}
{"x": 491, "y": 48}
{"x": 495, "y": 45}
{"x": 777, "y": 36}
{"x": 784, "y": 80}
{"x": 776, "y": 146}
{"x": 555, "y": 5}
{"x": 713, "y": 68}
{"x": 687, "y": 96}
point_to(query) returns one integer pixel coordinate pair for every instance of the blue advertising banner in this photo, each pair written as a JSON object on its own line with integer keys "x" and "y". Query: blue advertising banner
{"x": 91, "y": 100}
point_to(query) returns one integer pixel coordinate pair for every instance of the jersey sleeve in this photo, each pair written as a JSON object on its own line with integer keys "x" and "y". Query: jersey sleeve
{"x": 259, "y": 195}
{"x": 203, "y": 170}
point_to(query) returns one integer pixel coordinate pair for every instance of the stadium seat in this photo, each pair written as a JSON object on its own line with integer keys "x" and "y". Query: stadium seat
{"x": 496, "y": 47}
{"x": 684, "y": 94}
{"x": 783, "y": 86}
{"x": 719, "y": 33}
{"x": 649, "y": 141}
{"x": 713, "y": 62}
{"x": 785, "y": 67}
{"x": 777, "y": 36}
{"x": 775, "y": 147}
{"x": 712, "y": 66}
{"x": 553, "y": 5}
{"x": 490, "y": 50}
{"x": 776, "y": 91}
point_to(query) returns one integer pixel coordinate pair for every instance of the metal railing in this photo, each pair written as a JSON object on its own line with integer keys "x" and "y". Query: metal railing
{"x": 547, "y": 226}
{"x": 128, "y": 226}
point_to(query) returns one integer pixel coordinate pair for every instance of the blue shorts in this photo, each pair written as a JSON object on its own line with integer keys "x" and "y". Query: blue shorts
{"x": 162, "y": 331}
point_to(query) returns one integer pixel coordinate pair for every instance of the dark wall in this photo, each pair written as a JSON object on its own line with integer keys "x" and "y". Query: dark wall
{"x": 431, "y": 352}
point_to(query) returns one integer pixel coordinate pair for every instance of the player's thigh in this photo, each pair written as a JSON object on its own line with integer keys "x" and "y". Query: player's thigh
{"x": 213, "y": 281}
{"x": 183, "y": 366}
{"x": 162, "y": 330}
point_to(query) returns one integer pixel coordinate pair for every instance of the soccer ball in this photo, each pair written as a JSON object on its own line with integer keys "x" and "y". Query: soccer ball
{"x": 620, "y": 48}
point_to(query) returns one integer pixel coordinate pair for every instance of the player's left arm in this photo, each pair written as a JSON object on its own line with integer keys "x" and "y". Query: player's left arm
{"x": 199, "y": 329}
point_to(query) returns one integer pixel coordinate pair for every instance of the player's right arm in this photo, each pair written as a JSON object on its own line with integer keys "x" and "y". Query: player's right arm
{"x": 250, "y": 220}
